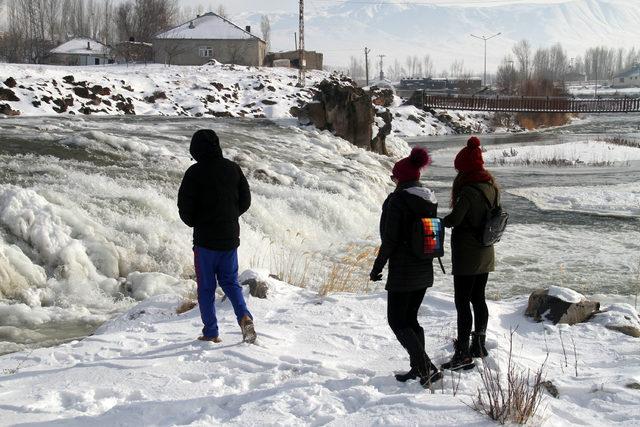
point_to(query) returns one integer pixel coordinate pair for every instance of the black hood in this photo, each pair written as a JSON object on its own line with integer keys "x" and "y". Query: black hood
{"x": 205, "y": 145}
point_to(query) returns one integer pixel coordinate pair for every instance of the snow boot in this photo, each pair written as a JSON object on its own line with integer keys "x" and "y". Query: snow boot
{"x": 432, "y": 375}
{"x": 461, "y": 359}
{"x": 248, "y": 331}
{"x": 477, "y": 348}
{"x": 413, "y": 372}
{"x": 411, "y": 375}
{"x": 210, "y": 339}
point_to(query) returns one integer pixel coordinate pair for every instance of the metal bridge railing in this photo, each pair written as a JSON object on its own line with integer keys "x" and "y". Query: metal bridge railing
{"x": 528, "y": 104}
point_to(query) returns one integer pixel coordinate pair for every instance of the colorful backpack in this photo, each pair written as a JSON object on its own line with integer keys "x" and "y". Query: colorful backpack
{"x": 427, "y": 239}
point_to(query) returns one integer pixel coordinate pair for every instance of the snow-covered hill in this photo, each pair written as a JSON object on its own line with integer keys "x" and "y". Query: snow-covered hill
{"x": 212, "y": 90}
{"x": 441, "y": 28}
{"x": 318, "y": 361}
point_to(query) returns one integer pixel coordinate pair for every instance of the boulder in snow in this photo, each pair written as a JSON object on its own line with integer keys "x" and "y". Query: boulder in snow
{"x": 257, "y": 288}
{"x": 560, "y": 305}
{"x": 8, "y": 95}
{"x": 11, "y": 82}
{"x": 8, "y": 111}
{"x": 622, "y": 318}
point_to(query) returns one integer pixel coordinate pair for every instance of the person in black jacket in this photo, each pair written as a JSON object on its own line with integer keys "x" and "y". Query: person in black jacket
{"x": 213, "y": 194}
{"x": 408, "y": 277}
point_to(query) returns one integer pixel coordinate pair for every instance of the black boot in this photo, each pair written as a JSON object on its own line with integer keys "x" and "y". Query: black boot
{"x": 421, "y": 366}
{"x": 461, "y": 359}
{"x": 477, "y": 348}
{"x": 411, "y": 375}
{"x": 432, "y": 375}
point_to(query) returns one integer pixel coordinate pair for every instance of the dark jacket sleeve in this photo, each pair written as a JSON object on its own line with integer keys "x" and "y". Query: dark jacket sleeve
{"x": 459, "y": 212}
{"x": 390, "y": 230}
{"x": 244, "y": 193}
{"x": 187, "y": 198}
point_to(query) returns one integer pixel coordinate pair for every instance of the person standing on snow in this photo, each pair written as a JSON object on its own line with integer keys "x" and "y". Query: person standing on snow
{"x": 408, "y": 277}
{"x": 474, "y": 188}
{"x": 213, "y": 194}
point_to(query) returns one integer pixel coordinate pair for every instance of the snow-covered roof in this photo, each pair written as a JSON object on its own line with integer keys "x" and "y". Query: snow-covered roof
{"x": 208, "y": 27}
{"x": 82, "y": 46}
{"x": 633, "y": 71}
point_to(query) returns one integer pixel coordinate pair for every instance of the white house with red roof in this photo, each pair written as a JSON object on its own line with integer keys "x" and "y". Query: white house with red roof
{"x": 208, "y": 37}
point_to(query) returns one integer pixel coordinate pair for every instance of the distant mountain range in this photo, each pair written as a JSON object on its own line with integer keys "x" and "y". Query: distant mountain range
{"x": 442, "y": 28}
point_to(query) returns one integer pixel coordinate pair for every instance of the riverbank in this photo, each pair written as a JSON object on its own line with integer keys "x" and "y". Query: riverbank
{"x": 317, "y": 361}
{"x": 209, "y": 91}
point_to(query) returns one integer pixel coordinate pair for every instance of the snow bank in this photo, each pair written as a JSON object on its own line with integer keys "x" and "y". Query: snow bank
{"x": 316, "y": 361}
{"x": 618, "y": 200}
{"x": 570, "y": 153}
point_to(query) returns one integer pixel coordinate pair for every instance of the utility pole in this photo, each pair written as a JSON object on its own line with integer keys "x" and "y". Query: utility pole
{"x": 301, "y": 59}
{"x": 367, "y": 51}
{"x": 382, "y": 66}
{"x": 485, "y": 38}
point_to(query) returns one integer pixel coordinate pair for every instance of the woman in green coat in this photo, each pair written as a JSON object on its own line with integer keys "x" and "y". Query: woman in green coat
{"x": 474, "y": 192}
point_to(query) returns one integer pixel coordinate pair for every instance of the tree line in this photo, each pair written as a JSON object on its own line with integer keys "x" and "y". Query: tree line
{"x": 519, "y": 68}
{"x": 33, "y": 27}
{"x": 528, "y": 72}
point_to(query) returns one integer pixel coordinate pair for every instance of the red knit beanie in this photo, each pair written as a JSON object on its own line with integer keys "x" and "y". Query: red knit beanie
{"x": 469, "y": 159}
{"x": 409, "y": 168}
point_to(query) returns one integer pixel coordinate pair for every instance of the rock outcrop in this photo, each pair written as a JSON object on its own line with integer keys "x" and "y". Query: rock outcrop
{"x": 349, "y": 113}
{"x": 560, "y": 305}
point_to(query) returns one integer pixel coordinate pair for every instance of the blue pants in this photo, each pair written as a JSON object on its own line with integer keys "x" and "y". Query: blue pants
{"x": 214, "y": 267}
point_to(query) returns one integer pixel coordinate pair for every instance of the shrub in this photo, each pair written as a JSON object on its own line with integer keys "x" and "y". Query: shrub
{"x": 521, "y": 398}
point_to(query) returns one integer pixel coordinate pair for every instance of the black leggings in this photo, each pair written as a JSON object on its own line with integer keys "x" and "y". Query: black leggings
{"x": 470, "y": 290}
{"x": 402, "y": 315}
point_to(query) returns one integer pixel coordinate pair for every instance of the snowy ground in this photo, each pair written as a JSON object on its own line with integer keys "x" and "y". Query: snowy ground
{"x": 619, "y": 200}
{"x": 595, "y": 153}
{"x": 318, "y": 361}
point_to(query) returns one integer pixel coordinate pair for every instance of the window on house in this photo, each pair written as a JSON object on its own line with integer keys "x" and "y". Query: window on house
{"x": 621, "y": 79}
{"x": 206, "y": 51}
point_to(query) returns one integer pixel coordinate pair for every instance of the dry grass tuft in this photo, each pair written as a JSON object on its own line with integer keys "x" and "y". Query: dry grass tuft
{"x": 521, "y": 398}
{"x": 351, "y": 272}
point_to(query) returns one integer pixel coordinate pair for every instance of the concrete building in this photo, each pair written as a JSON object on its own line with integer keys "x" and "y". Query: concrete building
{"x": 628, "y": 78}
{"x": 208, "y": 37}
{"x": 291, "y": 58}
{"x": 81, "y": 51}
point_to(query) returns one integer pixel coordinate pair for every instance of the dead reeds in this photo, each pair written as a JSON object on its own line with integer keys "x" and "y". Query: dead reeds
{"x": 517, "y": 400}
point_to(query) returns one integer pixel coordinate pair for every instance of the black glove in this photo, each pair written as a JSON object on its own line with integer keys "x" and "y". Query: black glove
{"x": 375, "y": 276}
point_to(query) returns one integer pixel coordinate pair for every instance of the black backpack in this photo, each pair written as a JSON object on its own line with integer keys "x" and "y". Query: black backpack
{"x": 494, "y": 223}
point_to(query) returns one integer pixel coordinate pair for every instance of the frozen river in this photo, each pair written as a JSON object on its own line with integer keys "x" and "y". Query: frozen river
{"x": 88, "y": 223}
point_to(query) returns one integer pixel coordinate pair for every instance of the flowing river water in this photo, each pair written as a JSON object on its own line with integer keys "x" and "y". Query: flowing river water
{"x": 111, "y": 184}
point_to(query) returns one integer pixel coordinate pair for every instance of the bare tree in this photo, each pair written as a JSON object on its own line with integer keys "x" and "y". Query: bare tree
{"x": 522, "y": 52}
{"x": 222, "y": 11}
{"x": 265, "y": 27}
{"x": 457, "y": 68}
{"x": 356, "y": 69}
{"x": 428, "y": 67}
{"x": 507, "y": 77}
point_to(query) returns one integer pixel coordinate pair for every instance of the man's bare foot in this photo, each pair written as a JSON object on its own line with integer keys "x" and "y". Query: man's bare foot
{"x": 211, "y": 339}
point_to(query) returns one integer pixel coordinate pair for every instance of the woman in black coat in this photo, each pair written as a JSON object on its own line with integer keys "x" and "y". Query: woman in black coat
{"x": 474, "y": 193}
{"x": 408, "y": 277}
